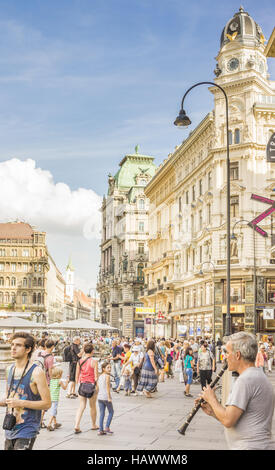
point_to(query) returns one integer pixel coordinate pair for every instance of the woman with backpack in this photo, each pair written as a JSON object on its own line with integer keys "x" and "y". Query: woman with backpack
{"x": 205, "y": 365}
{"x": 86, "y": 375}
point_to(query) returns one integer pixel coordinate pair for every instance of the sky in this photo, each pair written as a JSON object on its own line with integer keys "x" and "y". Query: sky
{"x": 81, "y": 83}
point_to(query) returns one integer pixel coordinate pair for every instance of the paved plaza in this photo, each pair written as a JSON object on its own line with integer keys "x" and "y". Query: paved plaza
{"x": 138, "y": 424}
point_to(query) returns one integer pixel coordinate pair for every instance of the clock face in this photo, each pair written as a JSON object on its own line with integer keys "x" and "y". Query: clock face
{"x": 233, "y": 64}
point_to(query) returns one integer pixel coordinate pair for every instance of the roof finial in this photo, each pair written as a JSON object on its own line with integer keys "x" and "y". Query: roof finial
{"x": 241, "y": 9}
{"x": 136, "y": 148}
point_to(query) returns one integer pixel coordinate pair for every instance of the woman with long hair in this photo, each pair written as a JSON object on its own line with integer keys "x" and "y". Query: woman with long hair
{"x": 188, "y": 362}
{"x": 149, "y": 373}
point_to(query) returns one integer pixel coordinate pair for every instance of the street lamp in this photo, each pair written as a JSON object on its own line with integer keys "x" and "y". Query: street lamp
{"x": 182, "y": 121}
{"x": 233, "y": 237}
{"x": 214, "y": 303}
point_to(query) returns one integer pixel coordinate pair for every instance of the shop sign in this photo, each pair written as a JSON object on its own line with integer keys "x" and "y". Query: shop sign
{"x": 162, "y": 321}
{"x": 234, "y": 309}
{"x": 268, "y": 314}
{"x": 182, "y": 329}
{"x": 270, "y": 149}
{"x": 145, "y": 310}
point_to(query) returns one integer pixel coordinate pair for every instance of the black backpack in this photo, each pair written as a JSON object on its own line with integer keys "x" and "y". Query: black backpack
{"x": 67, "y": 354}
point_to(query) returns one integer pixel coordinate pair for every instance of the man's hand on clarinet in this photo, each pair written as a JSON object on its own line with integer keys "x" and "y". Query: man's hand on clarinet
{"x": 208, "y": 394}
{"x": 205, "y": 407}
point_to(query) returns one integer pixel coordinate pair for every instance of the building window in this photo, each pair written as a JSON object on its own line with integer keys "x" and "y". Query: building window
{"x": 141, "y": 248}
{"x": 14, "y": 252}
{"x": 39, "y": 281}
{"x": 187, "y": 197}
{"x": 230, "y": 137}
{"x": 25, "y": 267}
{"x": 1, "y": 281}
{"x": 200, "y": 187}
{"x": 8, "y": 282}
{"x": 25, "y": 252}
{"x": 13, "y": 298}
{"x": 193, "y": 193}
{"x": 180, "y": 208}
{"x": 209, "y": 180}
{"x": 24, "y": 298}
{"x": 200, "y": 220}
{"x": 270, "y": 290}
{"x": 234, "y": 170}
{"x": 141, "y": 226}
{"x": 1, "y": 266}
{"x": 141, "y": 204}
{"x": 2, "y": 252}
{"x": 34, "y": 299}
{"x": 208, "y": 213}
{"x": 237, "y": 136}
{"x": 13, "y": 267}
{"x": 25, "y": 282}
{"x": 237, "y": 291}
{"x": 201, "y": 254}
{"x": 234, "y": 206}
{"x": 140, "y": 275}
{"x": 13, "y": 281}
{"x": 39, "y": 298}
{"x": 7, "y": 297}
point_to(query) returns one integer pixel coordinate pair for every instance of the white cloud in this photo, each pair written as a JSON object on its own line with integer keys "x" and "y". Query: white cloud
{"x": 30, "y": 194}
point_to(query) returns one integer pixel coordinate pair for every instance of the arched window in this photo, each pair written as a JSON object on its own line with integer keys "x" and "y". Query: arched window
{"x": 7, "y": 297}
{"x": 8, "y": 282}
{"x": 13, "y": 281}
{"x": 13, "y": 298}
{"x": 39, "y": 298}
{"x": 230, "y": 137}
{"x": 39, "y": 281}
{"x": 24, "y": 298}
{"x": 34, "y": 282}
{"x": 237, "y": 136}
{"x": 141, "y": 204}
{"x": 140, "y": 272}
{"x": 1, "y": 297}
{"x": 25, "y": 282}
{"x": 34, "y": 299}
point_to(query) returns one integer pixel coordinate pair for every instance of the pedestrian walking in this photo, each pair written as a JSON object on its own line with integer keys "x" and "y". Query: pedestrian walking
{"x": 205, "y": 365}
{"x": 105, "y": 399}
{"x": 27, "y": 395}
{"x": 73, "y": 356}
{"x": 247, "y": 415}
{"x": 270, "y": 356}
{"x": 47, "y": 359}
{"x": 56, "y": 383}
{"x": 188, "y": 362}
{"x": 261, "y": 358}
{"x": 149, "y": 373}
{"x": 86, "y": 375}
{"x": 116, "y": 357}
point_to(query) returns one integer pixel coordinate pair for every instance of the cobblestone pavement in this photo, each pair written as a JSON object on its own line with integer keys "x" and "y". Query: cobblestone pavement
{"x": 138, "y": 423}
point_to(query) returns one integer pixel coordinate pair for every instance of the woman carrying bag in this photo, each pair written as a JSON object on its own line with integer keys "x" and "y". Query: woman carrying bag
{"x": 188, "y": 370}
{"x": 86, "y": 375}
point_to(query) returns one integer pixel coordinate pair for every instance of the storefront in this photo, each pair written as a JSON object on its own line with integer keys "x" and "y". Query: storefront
{"x": 237, "y": 313}
{"x": 265, "y": 321}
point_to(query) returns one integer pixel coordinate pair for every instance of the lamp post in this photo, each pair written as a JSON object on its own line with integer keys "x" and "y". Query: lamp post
{"x": 182, "y": 121}
{"x": 233, "y": 237}
{"x": 214, "y": 303}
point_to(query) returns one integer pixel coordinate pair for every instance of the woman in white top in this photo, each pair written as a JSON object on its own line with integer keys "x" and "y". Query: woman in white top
{"x": 104, "y": 399}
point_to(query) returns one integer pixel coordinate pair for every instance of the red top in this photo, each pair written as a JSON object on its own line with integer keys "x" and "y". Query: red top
{"x": 87, "y": 372}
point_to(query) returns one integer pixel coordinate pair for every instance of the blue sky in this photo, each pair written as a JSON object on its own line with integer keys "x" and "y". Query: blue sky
{"x": 83, "y": 81}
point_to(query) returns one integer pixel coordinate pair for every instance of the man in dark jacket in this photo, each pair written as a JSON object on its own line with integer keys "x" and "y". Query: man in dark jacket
{"x": 74, "y": 357}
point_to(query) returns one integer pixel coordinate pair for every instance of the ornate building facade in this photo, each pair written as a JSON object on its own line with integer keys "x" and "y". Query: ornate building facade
{"x": 186, "y": 274}
{"x": 23, "y": 268}
{"x": 124, "y": 251}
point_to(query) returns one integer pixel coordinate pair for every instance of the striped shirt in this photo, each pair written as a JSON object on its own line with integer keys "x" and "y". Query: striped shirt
{"x": 55, "y": 389}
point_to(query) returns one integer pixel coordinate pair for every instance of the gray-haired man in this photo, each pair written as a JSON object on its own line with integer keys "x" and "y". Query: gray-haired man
{"x": 248, "y": 414}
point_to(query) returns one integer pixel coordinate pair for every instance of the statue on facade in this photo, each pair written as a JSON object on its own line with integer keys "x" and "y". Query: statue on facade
{"x": 233, "y": 249}
{"x": 125, "y": 263}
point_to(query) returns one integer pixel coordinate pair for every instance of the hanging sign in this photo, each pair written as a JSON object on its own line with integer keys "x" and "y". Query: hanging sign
{"x": 268, "y": 314}
{"x": 270, "y": 149}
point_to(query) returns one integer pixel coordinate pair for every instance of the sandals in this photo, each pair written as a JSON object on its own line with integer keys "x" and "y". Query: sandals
{"x": 95, "y": 429}
{"x": 43, "y": 425}
{"x": 101, "y": 433}
{"x": 77, "y": 431}
{"x": 50, "y": 428}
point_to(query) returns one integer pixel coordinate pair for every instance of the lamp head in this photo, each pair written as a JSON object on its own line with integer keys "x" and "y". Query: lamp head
{"x": 182, "y": 120}
{"x": 201, "y": 272}
{"x": 233, "y": 236}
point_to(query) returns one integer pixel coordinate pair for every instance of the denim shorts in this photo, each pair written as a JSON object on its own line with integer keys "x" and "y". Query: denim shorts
{"x": 53, "y": 410}
{"x": 189, "y": 373}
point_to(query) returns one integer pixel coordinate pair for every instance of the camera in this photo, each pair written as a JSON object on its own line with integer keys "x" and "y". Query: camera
{"x": 9, "y": 422}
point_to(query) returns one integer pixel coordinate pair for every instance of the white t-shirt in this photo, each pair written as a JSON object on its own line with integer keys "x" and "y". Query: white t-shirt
{"x": 253, "y": 393}
{"x": 135, "y": 359}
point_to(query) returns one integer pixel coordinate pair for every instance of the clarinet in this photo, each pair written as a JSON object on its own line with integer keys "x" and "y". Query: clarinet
{"x": 196, "y": 408}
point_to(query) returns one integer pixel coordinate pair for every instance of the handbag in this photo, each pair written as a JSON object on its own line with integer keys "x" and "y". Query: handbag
{"x": 10, "y": 420}
{"x": 166, "y": 367}
{"x": 86, "y": 388}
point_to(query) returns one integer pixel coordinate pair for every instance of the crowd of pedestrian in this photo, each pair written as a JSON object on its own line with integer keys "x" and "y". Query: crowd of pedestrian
{"x": 96, "y": 367}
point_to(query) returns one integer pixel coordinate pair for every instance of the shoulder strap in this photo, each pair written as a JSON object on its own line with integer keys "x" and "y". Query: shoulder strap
{"x": 80, "y": 365}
